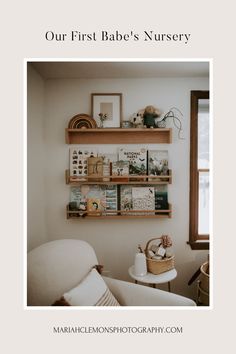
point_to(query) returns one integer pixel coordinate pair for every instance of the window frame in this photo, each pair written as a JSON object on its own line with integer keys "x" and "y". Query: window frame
{"x": 196, "y": 241}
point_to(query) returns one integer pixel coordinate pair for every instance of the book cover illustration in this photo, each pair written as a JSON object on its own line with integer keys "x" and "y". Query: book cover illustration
{"x": 79, "y": 161}
{"x": 120, "y": 169}
{"x": 96, "y": 198}
{"x": 75, "y": 196}
{"x": 157, "y": 164}
{"x": 89, "y": 197}
{"x": 161, "y": 197}
{"x": 108, "y": 159}
{"x": 94, "y": 205}
{"x": 126, "y": 199}
{"x": 137, "y": 159}
{"x": 143, "y": 198}
{"x": 111, "y": 199}
{"x": 111, "y": 157}
{"x": 77, "y": 201}
{"x": 95, "y": 168}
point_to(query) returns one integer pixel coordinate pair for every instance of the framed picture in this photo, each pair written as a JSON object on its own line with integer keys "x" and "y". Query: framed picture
{"x": 107, "y": 109}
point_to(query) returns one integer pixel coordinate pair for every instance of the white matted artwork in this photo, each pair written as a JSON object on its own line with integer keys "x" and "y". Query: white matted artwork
{"x": 109, "y": 104}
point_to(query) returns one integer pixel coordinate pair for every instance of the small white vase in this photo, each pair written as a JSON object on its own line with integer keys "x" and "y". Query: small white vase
{"x": 140, "y": 265}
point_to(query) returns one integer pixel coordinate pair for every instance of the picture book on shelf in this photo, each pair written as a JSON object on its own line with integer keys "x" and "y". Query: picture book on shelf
{"x": 120, "y": 169}
{"x": 94, "y": 204}
{"x": 98, "y": 192}
{"x": 107, "y": 158}
{"x": 161, "y": 197}
{"x": 111, "y": 157}
{"x": 95, "y": 168}
{"x": 143, "y": 198}
{"x": 111, "y": 199}
{"x": 125, "y": 198}
{"x": 137, "y": 159}
{"x": 96, "y": 198}
{"x": 79, "y": 161}
{"x": 75, "y": 195}
{"x": 157, "y": 163}
{"x": 87, "y": 197}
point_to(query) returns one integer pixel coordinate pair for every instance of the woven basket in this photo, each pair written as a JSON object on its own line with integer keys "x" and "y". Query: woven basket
{"x": 205, "y": 277}
{"x": 203, "y": 285}
{"x": 156, "y": 266}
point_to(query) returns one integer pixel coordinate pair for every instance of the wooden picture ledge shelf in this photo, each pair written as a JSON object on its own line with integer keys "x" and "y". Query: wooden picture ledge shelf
{"x": 119, "y": 136}
{"x": 118, "y": 214}
{"x": 112, "y": 180}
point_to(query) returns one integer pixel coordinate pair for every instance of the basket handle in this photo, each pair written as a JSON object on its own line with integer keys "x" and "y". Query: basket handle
{"x": 152, "y": 239}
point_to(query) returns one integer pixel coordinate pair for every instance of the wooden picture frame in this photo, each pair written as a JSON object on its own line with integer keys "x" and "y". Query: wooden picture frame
{"x": 109, "y": 104}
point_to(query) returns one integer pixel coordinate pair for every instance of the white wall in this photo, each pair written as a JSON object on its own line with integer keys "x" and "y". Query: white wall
{"x": 116, "y": 241}
{"x": 35, "y": 160}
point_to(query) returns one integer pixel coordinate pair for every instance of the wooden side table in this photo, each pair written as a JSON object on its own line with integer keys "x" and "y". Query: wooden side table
{"x": 153, "y": 279}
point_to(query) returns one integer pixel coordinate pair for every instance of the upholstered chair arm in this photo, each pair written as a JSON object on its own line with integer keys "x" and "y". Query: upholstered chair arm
{"x": 129, "y": 294}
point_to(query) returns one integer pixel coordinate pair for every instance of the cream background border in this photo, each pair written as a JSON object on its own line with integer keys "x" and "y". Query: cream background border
{"x": 23, "y": 28}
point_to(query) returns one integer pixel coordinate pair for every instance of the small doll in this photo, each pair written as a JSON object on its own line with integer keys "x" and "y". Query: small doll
{"x": 149, "y": 116}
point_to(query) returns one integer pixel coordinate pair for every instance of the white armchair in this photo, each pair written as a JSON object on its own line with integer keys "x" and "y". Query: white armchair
{"x": 58, "y": 266}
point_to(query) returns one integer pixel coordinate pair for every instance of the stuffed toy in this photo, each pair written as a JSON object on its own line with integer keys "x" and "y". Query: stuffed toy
{"x": 137, "y": 120}
{"x": 149, "y": 116}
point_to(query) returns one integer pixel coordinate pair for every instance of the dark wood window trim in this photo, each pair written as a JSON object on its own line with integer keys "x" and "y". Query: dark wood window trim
{"x": 196, "y": 241}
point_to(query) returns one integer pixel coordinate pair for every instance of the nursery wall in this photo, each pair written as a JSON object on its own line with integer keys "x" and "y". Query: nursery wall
{"x": 115, "y": 241}
{"x": 37, "y": 233}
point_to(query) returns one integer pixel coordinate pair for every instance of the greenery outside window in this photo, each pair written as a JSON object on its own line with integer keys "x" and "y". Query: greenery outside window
{"x": 199, "y": 171}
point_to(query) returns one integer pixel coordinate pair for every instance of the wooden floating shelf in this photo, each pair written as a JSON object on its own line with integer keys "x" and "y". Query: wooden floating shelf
{"x": 119, "y": 136}
{"x": 112, "y": 180}
{"x": 109, "y": 214}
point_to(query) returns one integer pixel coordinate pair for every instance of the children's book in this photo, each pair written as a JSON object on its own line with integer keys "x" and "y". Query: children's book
{"x": 137, "y": 159}
{"x": 157, "y": 164}
{"x": 75, "y": 195}
{"x": 143, "y": 198}
{"x": 96, "y": 198}
{"x": 93, "y": 205}
{"x": 79, "y": 161}
{"x": 108, "y": 159}
{"x": 125, "y": 198}
{"x": 111, "y": 199}
{"x": 95, "y": 168}
{"x": 161, "y": 197}
{"x": 120, "y": 169}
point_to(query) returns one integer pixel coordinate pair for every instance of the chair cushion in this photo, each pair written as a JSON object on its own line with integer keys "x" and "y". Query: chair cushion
{"x": 91, "y": 291}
